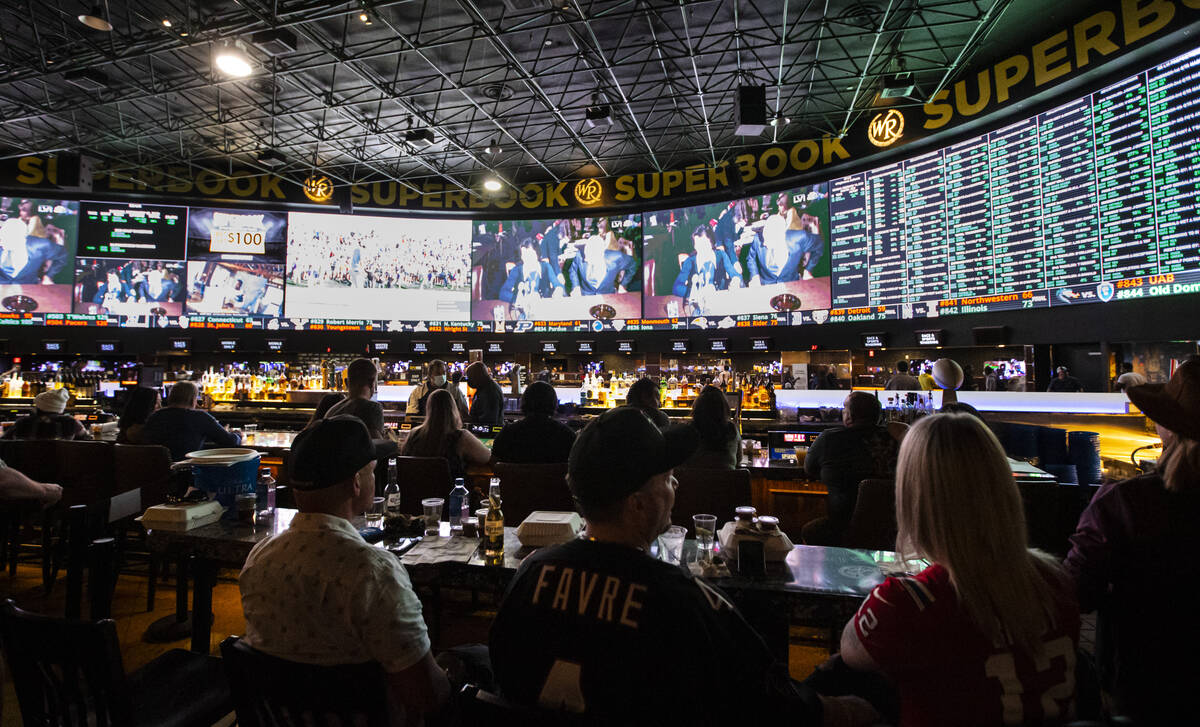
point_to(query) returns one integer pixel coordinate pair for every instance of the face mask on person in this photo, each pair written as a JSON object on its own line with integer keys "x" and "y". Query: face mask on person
{"x": 438, "y": 380}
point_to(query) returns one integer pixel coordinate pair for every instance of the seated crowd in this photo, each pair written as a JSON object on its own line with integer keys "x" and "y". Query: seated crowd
{"x": 987, "y": 632}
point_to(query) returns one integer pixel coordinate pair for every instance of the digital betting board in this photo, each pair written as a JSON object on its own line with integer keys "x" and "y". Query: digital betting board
{"x": 132, "y": 231}
{"x": 1092, "y": 201}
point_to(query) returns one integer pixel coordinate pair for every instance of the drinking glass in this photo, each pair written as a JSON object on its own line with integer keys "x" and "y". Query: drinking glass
{"x": 706, "y": 529}
{"x": 671, "y": 544}
{"x": 250, "y": 433}
{"x": 374, "y": 516}
{"x": 433, "y": 513}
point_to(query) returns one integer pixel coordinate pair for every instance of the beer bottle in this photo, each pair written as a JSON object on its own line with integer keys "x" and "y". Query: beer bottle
{"x": 493, "y": 528}
{"x": 392, "y": 515}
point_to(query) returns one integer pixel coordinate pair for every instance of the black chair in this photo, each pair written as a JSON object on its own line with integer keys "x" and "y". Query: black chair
{"x": 422, "y": 477}
{"x": 715, "y": 492}
{"x": 269, "y": 691}
{"x": 873, "y": 523}
{"x": 69, "y": 673}
{"x": 529, "y": 487}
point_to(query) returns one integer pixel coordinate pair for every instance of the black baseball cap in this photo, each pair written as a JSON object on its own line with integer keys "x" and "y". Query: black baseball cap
{"x": 332, "y": 450}
{"x": 619, "y": 450}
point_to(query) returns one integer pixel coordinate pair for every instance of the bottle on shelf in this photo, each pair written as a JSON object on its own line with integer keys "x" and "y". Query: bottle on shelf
{"x": 493, "y": 527}
{"x": 460, "y": 505}
{"x": 392, "y": 514}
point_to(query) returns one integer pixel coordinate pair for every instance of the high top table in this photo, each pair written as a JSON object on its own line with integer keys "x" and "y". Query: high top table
{"x": 826, "y": 584}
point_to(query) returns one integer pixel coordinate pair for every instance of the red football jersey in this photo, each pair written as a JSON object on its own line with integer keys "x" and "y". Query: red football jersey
{"x": 949, "y": 673}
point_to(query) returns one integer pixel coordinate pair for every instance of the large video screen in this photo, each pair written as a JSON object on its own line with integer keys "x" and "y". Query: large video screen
{"x": 756, "y": 255}
{"x": 360, "y": 267}
{"x": 132, "y": 288}
{"x": 555, "y": 270}
{"x": 132, "y": 231}
{"x": 235, "y": 262}
{"x": 37, "y": 254}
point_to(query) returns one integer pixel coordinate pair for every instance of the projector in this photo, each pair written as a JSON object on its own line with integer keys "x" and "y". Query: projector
{"x": 419, "y": 138}
{"x": 598, "y": 115}
{"x": 898, "y": 85}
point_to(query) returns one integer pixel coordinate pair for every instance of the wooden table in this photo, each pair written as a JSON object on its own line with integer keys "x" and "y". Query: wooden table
{"x": 824, "y": 584}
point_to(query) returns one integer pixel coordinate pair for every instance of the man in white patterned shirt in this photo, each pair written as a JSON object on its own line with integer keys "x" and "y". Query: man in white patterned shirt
{"x": 317, "y": 593}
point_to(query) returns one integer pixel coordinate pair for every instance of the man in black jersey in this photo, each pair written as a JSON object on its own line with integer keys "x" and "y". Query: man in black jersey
{"x": 599, "y": 626}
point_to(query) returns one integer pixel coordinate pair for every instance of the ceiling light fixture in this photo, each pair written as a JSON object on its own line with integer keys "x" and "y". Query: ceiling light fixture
{"x": 492, "y": 184}
{"x": 779, "y": 119}
{"x": 598, "y": 114}
{"x": 493, "y": 148}
{"x": 232, "y": 61}
{"x": 96, "y": 19}
{"x": 166, "y": 22}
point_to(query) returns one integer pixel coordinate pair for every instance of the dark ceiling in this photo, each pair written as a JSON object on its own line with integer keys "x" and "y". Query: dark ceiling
{"x": 520, "y": 73}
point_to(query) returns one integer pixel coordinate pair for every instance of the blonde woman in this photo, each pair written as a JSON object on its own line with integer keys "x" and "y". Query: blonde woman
{"x": 1133, "y": 557}
{"x": 986, "y": 635}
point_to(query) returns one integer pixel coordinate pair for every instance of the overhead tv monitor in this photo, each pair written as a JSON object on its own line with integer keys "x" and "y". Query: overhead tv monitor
{"x": 762, "y": 344}
{"x": 132, "y": 231}
{"x": 549, "y": 346}
{"x": 718, "y": 345}
{"x": 931, "y": 337}
{"x": 131, "y": 288}
{"x": 586, "y": 346}
{"x": 458, "y": 347}
{"x": 108, "y": 346}
{"x": 361, "y": 266}
{"x": 494, "y": 347}
{"x": 874, "y": 340}
{"x": 275, "y": 345}
{"x": 420, "y": 346}
{"x": 227, "y": 344}
{"x": 235, "y": 262}
{"x": 179, "y": 344}
{"x": 755, "y": 255}
{"x": 42, "y": 235}
{"x": 587, "y": 268}
{"x": 626, "y": 347}
{"x": 54, "y": 346}
{"x": 380, "y": 346}
{"x": 990, "y": 335}
{"x": 679, "y": 345}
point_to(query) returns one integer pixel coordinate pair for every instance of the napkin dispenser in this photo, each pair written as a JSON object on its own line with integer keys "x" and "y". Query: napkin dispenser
{"x": 181, "y": 517}
{"x": 545, "y": 527}
{"x": 776, "y": 544}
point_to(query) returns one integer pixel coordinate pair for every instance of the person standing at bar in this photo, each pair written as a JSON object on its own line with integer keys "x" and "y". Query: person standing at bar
{"x": 487, "y": 407}
{"x": 361, "y": 379}
{"x": 1133, "y": 556}
{"x": 181, "y": 427}
{"x": 1063, "y": 381}
{"x": 903, "y": 381}
{"x": 435, "y": 379}
{"x": 1129, "y": 377}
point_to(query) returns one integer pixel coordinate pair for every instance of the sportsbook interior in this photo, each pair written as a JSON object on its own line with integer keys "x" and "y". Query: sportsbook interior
{"x": 777, "y": 216}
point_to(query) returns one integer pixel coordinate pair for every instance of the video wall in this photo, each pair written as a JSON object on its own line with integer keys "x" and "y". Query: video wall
{"x": 1090, "y": 202}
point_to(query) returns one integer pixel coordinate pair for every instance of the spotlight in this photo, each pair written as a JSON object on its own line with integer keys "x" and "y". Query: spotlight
{"x": 494, "y": 148}
{"x": 233, "y": 62}
{"x": 492, "y": 184}
{"x": 779, "y": 119}
{"x": 95, "y": 19}
{"x": 166, "y": 22}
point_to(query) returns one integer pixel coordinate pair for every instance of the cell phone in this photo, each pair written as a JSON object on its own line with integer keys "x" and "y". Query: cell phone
{"x": 752, "y": 558}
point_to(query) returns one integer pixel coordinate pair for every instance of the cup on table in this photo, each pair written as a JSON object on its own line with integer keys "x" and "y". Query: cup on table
{"x": 433, "y": 513}
{"x": 706, "y": 530}
{"x": 374, "y": 516}
{"x": 671, "y": 544}
{"x": 249, "y": 433}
